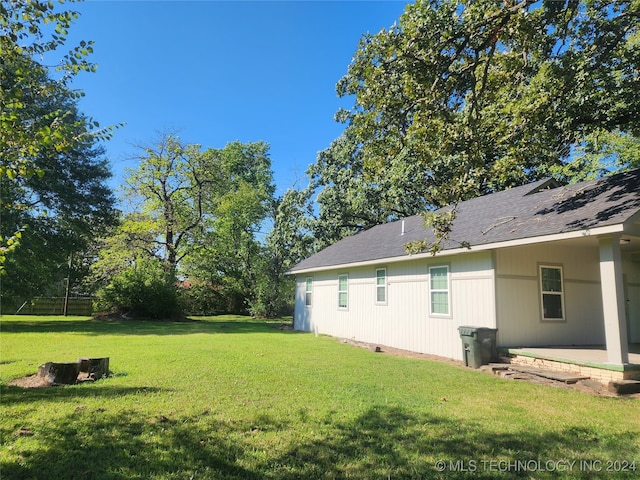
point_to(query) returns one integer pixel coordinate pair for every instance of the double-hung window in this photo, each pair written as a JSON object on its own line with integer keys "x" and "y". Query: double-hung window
{"x": 439, "y": 290}
{"x": 308, "y": 291}
{"x": 552, "y": 293}
{"x": 343, "y": 291}
{"x": 381, "y": 285}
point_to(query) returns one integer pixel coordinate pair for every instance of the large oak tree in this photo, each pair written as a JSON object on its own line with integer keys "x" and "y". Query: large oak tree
{"x": 462, "y": 98}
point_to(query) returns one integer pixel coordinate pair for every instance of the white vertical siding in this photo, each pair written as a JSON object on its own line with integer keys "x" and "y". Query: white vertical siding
{"x": 404, "y": 321}
{"x": 518, "y": 296}
{"x": 506, "y": 298}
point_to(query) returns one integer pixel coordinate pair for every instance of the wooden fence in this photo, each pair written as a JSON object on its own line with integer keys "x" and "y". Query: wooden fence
{"x": 55, "y": 306}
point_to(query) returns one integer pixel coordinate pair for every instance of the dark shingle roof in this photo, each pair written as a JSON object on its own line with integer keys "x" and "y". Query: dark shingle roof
{"x": 532, "y": 210}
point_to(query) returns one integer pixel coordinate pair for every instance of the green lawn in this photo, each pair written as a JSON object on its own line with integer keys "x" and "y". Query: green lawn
{"x": 230, "y": 397}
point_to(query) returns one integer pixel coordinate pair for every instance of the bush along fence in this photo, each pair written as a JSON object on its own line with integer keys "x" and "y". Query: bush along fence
{"x": 53, "y": 306}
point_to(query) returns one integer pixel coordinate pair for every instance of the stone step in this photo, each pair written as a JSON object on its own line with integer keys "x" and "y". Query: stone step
{"x": 566, "y": 377}
{"x": 624, "y": 387}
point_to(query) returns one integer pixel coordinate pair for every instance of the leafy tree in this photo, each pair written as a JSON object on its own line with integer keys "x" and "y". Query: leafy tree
{"x": 462, "y": 98}
{"x": 25, "y": 132}
{"x": 600, "y": 153}
{"x": 198, "y": 213}
{"x": 168, "y": 189}
{"x": 118, "y": 248}
{"x": 63, "y": 210}
{"x": 42, "y": 134}
{"x": 351, "y": 197}
{"x": 229, "y": 250}
{"x": 144, "y": 250}
{"x": 289, "y": 241}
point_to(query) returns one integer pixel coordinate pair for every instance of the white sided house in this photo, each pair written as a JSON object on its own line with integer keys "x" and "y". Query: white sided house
{"x": 544, "y": 264}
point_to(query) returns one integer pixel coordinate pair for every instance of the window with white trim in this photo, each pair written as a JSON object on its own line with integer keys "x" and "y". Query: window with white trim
{"x": 439, "y": 290}
{"x": 381, "y": 285}
{"x": 551, "y": 292}
{"x": 343, "y": 291}
{"x": 308, "y": 291}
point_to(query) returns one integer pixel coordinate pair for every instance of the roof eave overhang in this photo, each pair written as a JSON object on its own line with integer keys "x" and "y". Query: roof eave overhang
{"x": 588, "y": 232}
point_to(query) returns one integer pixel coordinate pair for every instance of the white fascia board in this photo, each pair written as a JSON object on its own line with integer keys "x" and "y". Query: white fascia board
{"x": 589, "y": 232}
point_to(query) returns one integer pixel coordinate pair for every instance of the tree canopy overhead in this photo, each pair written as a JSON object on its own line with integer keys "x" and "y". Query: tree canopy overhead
{"x": 52, "y": 175}
{"x": 487, "y": 95}
{"x": 30, "y": 32}
{"x": 462, "y": 98}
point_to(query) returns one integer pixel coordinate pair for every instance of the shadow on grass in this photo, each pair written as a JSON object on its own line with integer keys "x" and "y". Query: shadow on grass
{"x": 12, "y": 395}
{"x": 383, "y": 442}
{"x": 102, "y": 446}
{"x": 393, "y": 443}
{"x": 141, "y": 327}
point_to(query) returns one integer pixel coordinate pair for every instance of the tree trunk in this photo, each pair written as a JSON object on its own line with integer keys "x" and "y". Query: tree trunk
{"x": 94, "y": 368}
{"x": 60, "y": 373}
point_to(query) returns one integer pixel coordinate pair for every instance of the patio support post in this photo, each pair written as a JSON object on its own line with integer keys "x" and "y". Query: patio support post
{"x": 615, "y": 325}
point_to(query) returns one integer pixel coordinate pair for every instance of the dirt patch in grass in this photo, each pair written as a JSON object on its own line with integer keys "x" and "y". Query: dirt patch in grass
{"x": 31, "y": 381}
{"x": 37, "y": 381}
{"x": 397, "y": 352}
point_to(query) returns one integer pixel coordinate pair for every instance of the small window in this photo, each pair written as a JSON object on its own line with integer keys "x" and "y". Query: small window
{"x": 439, "y": 290}
{"x": 308, "y": 291}
{"x": 343, "y": 291}
{"x": 551, "y": 290}
{"x": 381, "y": 285}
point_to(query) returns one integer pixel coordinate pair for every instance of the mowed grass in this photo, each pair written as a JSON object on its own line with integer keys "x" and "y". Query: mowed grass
{"x": 230, "y": 397}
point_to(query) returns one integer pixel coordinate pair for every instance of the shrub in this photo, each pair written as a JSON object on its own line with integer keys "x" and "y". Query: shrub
{"x": 273, "y": 298}
{"x": 143, "y": 290}
{"x": 202, "y": 299}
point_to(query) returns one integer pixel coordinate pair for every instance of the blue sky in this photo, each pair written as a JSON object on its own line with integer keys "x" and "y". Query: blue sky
{"x": 216, "y": 72}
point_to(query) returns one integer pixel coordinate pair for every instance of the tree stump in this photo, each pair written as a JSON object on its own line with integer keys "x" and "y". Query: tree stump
{"x": 60, "y": 373}
{"x": 84, "y": 364}
{"x": 94, "y": 368}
